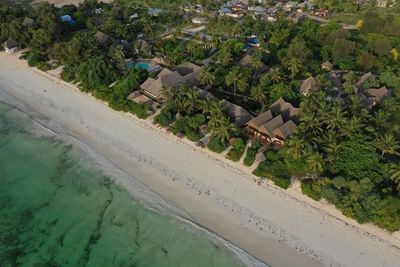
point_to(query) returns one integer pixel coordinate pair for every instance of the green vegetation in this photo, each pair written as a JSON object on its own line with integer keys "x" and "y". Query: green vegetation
{"x": 251, "y": 153}
{"x": 307, "y": 190}
{"x": 343, "y": 150}
{"x": 237, "y": 150}
{"x": 216, "y": 145}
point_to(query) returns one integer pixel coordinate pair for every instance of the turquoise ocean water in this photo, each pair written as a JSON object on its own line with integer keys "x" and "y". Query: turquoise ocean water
{"x": 58, "y": 210}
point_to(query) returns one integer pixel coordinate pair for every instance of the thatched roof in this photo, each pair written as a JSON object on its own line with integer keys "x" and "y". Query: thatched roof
{"x": 102, "y": 38}
{"x": 187, "y": 68}
{"x": 326, "y": 65}
{"x": 375, "y": 96}
{"x": 285, "y": 129}
{"x": 260, "y": 119}
{"x": 28, "y": 22}
{"x": 165, "y": 79}
{"x": 237, "y": 113}
{"x": 286, "y": 109}
{"x": 247, "y": 61}
{"x": 363, "y": 79}
{"x": 307, "y": 85}
{"x": 163, "y": 72}
{"x": 147, "y": 83}
{"x": 269, "y": 127}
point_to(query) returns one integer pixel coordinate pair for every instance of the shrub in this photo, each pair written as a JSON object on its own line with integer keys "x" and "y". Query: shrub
{"x": 216, "y": 145}
{"x": 237, "y": 151}
{"x": 34, "y": 58}
{"x": 251, "y": 153}
{"x": 193, "y": 135}
{"x": 68, "y": 73}
{"x": 282, "y": 182}
{"x": 166, "y": 117}
{"x": 43, "y": 66}
{"x": 306, "y": 189}
{"x": 274, "y": 173}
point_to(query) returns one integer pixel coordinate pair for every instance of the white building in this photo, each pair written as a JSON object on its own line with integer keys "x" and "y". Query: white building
{"x": 10, "y": 46}
{"x": 199, "y": 20}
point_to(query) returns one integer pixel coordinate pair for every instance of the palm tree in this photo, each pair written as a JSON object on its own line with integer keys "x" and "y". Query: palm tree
{"x": 394, "y": 171}
{"x": 117, "y": 54}
{"x": 348, "y": 88}
{"x": 233, "y": 78}
{"x": 206, "y": 104}
{"x": 257, "y": 63}
{"x": 391, "y": 105}
{"x": 215, "y": 41}
{"x": 294, "y": 66}
{"x": 258, "y": 94}
{"x": 276, "y": 75}
{"x": 167, "y": 93}
{"x": 295, "y": 148}
{"x": 331, "y": 150}
{"x": 192, "y": 100}
{"x": 387, "y": 144}
{"x": 191, "y": 48}
{"x": 215, "y": 115}
{"x": 352, "y": 126}
{"x": 315, "y": 163}
{"x": 354, "y": 104}
{"x": 336, "y": 117}
{"x": 206, "y": 76}
{"x": 225, "y": 128}
{"x": 380, "y": 120}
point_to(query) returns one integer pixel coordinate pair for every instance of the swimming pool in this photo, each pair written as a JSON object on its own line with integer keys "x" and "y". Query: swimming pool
{"x": 142, "y": 65}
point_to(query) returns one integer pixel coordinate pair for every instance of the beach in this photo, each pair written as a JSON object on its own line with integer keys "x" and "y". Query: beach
{"x": 281, "y": 228}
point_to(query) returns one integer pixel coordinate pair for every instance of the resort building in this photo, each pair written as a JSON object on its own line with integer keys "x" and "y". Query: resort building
{"x": 199, "y": 20}
{"x": 239, "y": 115}
{"x": 275, "y": 124}
{"x": 10, "y": 46}
{"x": 374, "y": 96}
{"x": 307, "y": 85}
{"x": 67, "y": 19}
{"x": 102, "y": 38}
{"x": 185, "y": 74}
{"x": 248, "y": 61}
{"x": 326, "y": 66}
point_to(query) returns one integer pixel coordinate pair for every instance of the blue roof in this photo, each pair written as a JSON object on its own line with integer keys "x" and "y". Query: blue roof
{"x": 225, "y": 10}
{"x": 65, "y": 18}
{"x": 253, "y": 40}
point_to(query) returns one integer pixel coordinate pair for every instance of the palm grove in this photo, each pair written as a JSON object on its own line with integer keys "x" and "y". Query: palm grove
{"x": 341, "y": 151}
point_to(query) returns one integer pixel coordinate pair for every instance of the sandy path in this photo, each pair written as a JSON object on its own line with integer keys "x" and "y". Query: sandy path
{"x": 282, "y": 228}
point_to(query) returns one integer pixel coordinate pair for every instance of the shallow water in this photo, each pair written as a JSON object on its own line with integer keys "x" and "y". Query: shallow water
{"x": 56, "y": 209}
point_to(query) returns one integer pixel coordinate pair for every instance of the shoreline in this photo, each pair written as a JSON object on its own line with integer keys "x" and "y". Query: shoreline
{"x": 278, "y": 243}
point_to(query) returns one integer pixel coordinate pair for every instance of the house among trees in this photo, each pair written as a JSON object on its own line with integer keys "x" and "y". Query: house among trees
{"x": 102, "y": 38}
{"x": 374, "y": 96}
{"x": 248, "y": 61}
{"x": 199, "y": 20}
{"x": 326, "y": 66}
{"x": 275, "y": 124}
{"x": 363, "y": 79}
{"x": 185, "y": 74}
{"x": 307, "y": 85}
{"x": 67, "y": 19}
{"x": 239, "y": 115}
{"x": 28, "y": 22}
{"x": 10, "y": 46}
{"x": 381, "y": 3}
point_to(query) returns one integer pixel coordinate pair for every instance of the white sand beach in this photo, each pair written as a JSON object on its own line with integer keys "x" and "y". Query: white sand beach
{"x": 282, "y": 228}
